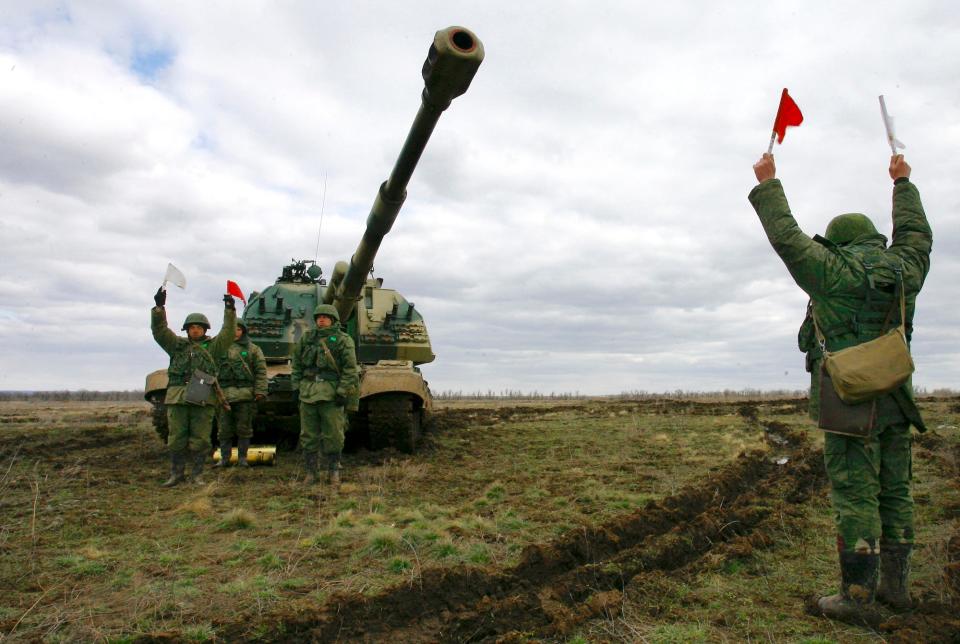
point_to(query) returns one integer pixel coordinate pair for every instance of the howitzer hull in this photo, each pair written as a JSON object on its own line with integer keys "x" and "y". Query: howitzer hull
{"x": 395, "y": 403}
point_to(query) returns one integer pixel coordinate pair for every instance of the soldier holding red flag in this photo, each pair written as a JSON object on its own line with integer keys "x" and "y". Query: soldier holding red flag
{"x": 855, "y": 282}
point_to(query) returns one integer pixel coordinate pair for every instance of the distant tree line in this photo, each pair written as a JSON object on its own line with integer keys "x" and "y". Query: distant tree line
{"x": 81, "y": 395}
{"x": 507, "y": 394}
{"x": 677, "y": 394}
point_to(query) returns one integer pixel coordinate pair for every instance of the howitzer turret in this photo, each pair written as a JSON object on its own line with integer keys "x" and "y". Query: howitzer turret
{"x": 389, "y": 333}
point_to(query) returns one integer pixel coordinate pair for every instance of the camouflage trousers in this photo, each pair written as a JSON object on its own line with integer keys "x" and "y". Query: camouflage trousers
{"x": 870, "y": 487}
{"x": 236, "y": 422}
{"x": 190, "y": 427}
{"x": 322, "y": 426}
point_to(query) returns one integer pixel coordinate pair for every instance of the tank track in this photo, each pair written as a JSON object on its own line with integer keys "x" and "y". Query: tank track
{"x": 394, "y": 420}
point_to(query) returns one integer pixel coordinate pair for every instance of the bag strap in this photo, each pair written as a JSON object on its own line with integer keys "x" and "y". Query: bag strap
{"x": 246, "y": 367}
{"x": 330, "y": 359}
{"x": 903, "y": 305}
{"x": 822, "y": 341}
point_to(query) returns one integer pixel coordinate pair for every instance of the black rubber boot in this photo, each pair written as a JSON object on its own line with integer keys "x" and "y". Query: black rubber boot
{"x": 177, "y": 462}
{"x": 224, "y": 461}
{"x": 243, "y": 444}
{"x": 333, "y": 470}
{"x": 196, "y": 472}
{"x": 894, "y": 589}
{"x": 858, "y": 586}
{"x": 310, "y": 463}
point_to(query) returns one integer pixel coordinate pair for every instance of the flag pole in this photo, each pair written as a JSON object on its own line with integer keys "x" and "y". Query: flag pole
{"x": 891, "y": 139}
{"x": 776, "y": 119}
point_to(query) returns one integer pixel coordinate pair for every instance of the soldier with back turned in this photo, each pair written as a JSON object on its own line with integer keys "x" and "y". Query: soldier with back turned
{"x": 855, "y": 284}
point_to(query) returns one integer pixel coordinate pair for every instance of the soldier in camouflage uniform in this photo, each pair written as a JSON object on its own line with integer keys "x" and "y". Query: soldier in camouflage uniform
{"x": 851, "y": 278}
{"x": 327, "y": 380}
{"x": 242, "y": 373}
{"x": 190, "y": 425}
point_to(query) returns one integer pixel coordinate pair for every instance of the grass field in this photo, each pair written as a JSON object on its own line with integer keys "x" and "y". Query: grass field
{"x": 573, "y": 521}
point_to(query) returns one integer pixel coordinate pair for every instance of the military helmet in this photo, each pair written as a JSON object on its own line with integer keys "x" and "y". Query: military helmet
{"x": 196, "y": 318}
{"x": 242, "y": 325}
{"x": 326, "y": 309}
{"x": 843, "y": 229}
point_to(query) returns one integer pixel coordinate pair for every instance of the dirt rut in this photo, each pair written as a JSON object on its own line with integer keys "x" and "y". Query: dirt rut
{"x": 558, "y": 585}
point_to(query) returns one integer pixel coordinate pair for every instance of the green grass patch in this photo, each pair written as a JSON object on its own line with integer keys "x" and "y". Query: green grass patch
{"x": 187, "y": 522}
{"x": 199, "y": 633}
{"x": 399, "y": 565}
{"x": 122, "y": 579}
{"x": 185, "y": 588}
{"x": 345, "y": 519}
{"x": 478, "y": 553}
{"x": 295, "y": 583}
{"x": 81, "y": 566}
{"x": 678, "y": 634}
{"x": 509, "y": 522}
{"x": 445, "y": 550}
{"x": 383, "y": 540}
{"x": 270, "y": 561}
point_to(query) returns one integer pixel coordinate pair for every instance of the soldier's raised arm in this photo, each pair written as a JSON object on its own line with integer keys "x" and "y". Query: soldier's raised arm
{"x": 166, "y": 338}
{"x": 912, "y": 237}
{"x": 222, "y": 341}
{"x": 805, "y": 259}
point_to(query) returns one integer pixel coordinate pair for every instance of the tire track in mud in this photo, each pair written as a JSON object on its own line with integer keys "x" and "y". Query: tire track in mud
{"x": 558, "y": 585}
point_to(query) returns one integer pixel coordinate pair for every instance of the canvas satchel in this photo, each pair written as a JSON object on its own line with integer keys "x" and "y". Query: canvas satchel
{"x": 839, "y": 417}
{"x": 866, "y": 371}
{"x": 199, "y": 388}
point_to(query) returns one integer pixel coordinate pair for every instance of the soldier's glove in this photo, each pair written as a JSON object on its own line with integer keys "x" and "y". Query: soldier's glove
{"x": 340, "y": 400}
{"x": 160, "y": 297}
{"x": 229, "y": 302}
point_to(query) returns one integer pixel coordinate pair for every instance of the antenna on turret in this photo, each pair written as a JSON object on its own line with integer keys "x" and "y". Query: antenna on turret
{"x": 323, "y": 203}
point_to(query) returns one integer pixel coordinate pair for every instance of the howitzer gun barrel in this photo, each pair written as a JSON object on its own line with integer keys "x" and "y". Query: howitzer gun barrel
{"x": 453, "y": 59}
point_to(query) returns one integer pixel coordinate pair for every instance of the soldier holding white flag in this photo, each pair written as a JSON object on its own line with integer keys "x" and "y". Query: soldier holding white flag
{"x": 191, "y": 397}
{"x": 859, "y": 288}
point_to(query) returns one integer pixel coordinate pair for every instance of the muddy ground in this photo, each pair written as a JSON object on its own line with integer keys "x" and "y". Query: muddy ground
{"x": 587, "y": 521}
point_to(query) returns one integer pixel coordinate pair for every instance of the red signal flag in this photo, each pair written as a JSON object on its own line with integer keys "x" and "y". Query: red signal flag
{"x": 787, "y": 114}
{"x": 234, "y": 289}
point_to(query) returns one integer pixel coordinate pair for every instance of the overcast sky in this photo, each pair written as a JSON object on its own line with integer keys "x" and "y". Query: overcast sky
{"x": 579, "y": 221}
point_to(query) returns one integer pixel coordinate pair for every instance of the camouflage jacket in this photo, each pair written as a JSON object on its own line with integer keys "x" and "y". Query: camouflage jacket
{"x": 187, "y": 355}
{"x": 837, "y": 280}
{"x": 242, "y": 371}
{"x": 313, "y": 374}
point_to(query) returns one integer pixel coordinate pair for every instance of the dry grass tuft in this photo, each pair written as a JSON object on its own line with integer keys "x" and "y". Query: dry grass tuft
{"x": 92, "y": 552}
{"x": 238, "y": 519}
{"x": 200, "y": 506}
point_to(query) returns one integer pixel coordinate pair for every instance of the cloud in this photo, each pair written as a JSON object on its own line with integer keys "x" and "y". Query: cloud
{"x": 578, "y": 221}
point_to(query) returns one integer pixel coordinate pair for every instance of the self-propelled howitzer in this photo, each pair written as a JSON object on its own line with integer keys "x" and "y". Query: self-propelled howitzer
{"x": 388, "y": 331}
